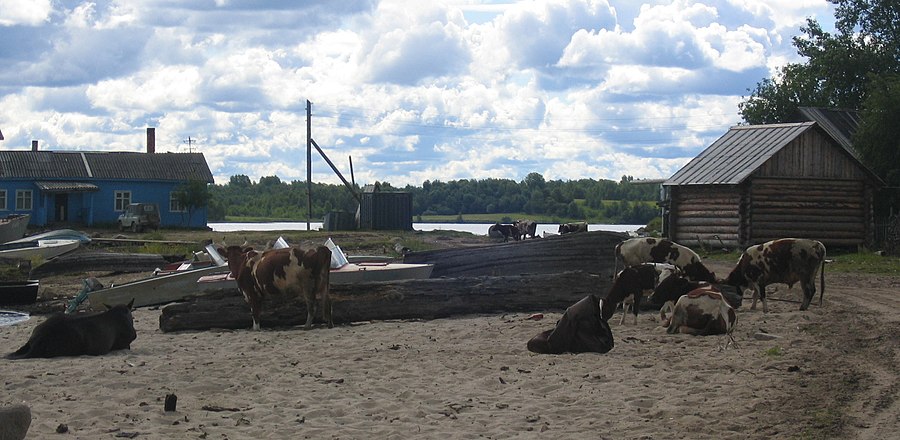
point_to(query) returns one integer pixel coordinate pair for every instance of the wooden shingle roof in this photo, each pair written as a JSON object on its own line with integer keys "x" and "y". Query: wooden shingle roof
{"x": 93, "y": 165}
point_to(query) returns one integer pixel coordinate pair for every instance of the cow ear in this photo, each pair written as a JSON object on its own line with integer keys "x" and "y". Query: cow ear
{"x": 131, "y": 304}
{"x": 106, "y": 306}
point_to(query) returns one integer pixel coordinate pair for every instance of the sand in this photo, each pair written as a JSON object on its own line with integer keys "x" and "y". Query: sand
{"x": 831, "y": 372}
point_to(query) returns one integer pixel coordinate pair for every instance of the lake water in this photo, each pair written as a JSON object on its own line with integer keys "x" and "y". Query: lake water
{"x": 474, "y": 228}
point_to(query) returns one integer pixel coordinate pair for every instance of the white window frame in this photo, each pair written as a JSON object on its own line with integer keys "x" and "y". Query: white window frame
{"x": 3, "y": 201}
{"x": 24, "y": 200}
{"x": 122, "y": 200}
{"x": 174, "y": 206}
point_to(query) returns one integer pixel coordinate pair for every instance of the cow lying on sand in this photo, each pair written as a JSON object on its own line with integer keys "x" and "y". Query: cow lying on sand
{"x": 289, "y": 271}
{"x": 568, "y": 228}
{"x": 787, "y": 261}
{"x": 701, "y": 312}
{"x": 636, "y": 251}
{"x": 79, "y": 334}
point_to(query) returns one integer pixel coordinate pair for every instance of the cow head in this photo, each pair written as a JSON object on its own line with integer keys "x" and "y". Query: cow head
{"x": 237, "y": 257}
{"x": 698, "y": 272}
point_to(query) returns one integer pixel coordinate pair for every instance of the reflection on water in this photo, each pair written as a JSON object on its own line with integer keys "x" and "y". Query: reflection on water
{"x": 474, "y": 228}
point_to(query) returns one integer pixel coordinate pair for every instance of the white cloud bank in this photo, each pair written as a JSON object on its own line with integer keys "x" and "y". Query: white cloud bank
{"x": 411, "y": 90}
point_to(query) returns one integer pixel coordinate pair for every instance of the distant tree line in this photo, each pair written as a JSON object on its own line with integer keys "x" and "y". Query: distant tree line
{"x": 585, "y": 199}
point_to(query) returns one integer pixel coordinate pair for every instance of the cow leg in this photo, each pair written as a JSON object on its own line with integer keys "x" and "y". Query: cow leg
{"x": 762, "y": 298}
{"x": 310, "y": 311}
{"x": 667, "y": 308}
{"x": 809, "y": 292}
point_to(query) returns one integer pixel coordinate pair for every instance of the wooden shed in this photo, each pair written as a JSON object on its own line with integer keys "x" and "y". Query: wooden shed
{"x": 762, "y": 182}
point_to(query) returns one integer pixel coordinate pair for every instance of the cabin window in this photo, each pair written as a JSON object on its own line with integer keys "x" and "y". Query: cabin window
{"x": 2, "y": 200}
{"x": 123, "y": 199}
{"x": 23, "y": 200}
{"x": 174, "y": 204}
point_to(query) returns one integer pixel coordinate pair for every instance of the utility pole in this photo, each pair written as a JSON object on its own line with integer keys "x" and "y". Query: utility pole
{"x": 308, "y": 163}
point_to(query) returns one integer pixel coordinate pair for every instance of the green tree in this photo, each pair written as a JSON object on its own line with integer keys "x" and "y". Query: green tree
{"x": 192, "y": 195}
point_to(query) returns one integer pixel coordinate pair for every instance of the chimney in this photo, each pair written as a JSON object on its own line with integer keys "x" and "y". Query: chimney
{"x": 34, "y": 145}
{"x": 151, "y": 140}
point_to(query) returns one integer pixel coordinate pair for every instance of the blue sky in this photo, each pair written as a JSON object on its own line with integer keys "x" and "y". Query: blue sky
{"x": 409, "y": 90}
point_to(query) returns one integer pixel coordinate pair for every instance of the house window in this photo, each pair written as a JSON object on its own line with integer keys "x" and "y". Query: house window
{"x": 2, "y": 200}
{"x": 174, "y": 204}
{"x": 23, "y": 200}
{"x": 123, "y": 199}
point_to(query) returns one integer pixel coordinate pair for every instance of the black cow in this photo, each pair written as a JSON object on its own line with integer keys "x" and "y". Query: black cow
{"x": 568, "y": 228}
{"x": 90, "y": 334}
{"x": 504, "y": 231}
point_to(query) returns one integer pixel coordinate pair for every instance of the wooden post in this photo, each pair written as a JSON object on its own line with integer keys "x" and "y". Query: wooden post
{"x": 308, "y": 163}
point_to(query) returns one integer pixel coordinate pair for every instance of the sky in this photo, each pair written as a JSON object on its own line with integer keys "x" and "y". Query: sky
{"x": 406, "y": 91}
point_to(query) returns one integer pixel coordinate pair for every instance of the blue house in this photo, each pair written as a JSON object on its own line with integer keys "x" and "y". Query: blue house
{"x": 93, "y": 188}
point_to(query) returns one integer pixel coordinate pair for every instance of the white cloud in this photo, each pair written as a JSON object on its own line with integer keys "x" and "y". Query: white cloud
{"x": 26, "y": 13}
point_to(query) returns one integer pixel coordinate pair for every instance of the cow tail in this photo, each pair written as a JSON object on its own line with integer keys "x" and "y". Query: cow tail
{"x": 822, "y": 282}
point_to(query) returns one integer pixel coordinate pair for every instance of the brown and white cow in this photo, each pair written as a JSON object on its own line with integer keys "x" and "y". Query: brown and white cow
{"x": 787, "y": 260}
{"x": 289, "y": 271}
{"x": 641, "y": 250}
{"x": 567, "y": 228}
{"x": 526, "y": 228}
{"x": 703, "y": 311}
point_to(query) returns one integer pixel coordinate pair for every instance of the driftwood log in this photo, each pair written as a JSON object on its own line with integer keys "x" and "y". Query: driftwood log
{"x": 409, "y": 299}
{"x": 591, "y": 252}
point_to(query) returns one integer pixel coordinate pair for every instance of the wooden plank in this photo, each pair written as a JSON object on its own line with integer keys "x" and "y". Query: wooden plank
{"x": 710, "y": 221}
{"x": 410, "y": 299}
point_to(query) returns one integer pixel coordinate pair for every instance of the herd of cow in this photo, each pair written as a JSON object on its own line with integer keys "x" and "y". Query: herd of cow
{"x": 691, "y": 299}
{"x": 521, "y": 229}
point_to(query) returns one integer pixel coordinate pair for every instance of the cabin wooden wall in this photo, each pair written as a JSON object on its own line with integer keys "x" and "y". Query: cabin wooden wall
{"x": 703, "y": 215}
{"x": 813, "y": 154}
{"x": 835, "y": 212}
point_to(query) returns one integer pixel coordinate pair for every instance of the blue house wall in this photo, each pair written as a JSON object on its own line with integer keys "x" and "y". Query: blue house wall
{"x": 97, "y": 208}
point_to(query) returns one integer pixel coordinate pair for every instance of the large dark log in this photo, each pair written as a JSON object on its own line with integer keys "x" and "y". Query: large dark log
{"x": 410, "y": 299}
{"x": 705, "y": 221}
{"x": 591, "y": 252}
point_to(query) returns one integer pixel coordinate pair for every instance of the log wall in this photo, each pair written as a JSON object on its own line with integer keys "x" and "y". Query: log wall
{"x": 704, "y": 215}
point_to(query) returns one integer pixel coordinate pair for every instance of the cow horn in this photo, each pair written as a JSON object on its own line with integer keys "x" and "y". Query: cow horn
{"x": 246, "y": 243}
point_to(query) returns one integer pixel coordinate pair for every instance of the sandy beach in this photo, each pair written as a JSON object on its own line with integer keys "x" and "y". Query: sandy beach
{"x": 832, "y": 372}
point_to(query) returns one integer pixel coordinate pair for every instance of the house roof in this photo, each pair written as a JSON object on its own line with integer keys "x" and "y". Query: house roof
{"x": 841, "y": 125}
{"x": 741, "y": 151}
{"x": 737, "y": 154}
{"x": 75, "y": 165}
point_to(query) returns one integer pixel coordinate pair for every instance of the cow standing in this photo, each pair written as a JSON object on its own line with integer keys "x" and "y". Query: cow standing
{"x": 526, "y": 228}
{"x": 628, "y": 288}
{"x": 636, "y": 251}
{"x": 288, "y": 271}
{"x": 504, "y": 231}
{"x": 79, "y": 334}
{"x": 703, "y": 311}
{"x": 787, "y": 260}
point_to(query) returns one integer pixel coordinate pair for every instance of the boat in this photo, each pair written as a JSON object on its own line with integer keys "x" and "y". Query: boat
{"x": 56, "y": 234}
{"x": 342, "y": 271}
{"x": 45, "y": 249}
{"x": 19, "y": 292}
{"x": 13, "y": 226}
{"x": 165, "y": 287}
{"x": 10, "y": 317}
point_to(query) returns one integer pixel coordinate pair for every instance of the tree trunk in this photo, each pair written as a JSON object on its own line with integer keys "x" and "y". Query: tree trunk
{"x": 410, "y": 299}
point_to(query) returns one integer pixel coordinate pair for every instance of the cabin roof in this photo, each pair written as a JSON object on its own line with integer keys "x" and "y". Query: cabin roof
{"x": 737, "y": 154}
{"x": 76, "y": 165}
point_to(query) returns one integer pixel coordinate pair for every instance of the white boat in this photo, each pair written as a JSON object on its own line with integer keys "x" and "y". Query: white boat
{"x": 158, "y": 289}
{"x": 13, "y": 227}
{"x": 40, "y": 248}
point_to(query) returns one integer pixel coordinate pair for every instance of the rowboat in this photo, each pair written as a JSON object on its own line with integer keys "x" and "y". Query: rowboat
{"x": 56, "y": 234}
{"x": 166, "y": 287}
{"x": 39, "y": 248}
{"x": 18, "y": 292}
{"x": 13, "y": 226}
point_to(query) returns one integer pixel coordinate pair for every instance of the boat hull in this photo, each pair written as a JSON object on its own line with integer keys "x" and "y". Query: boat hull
{"x": 153, "y": 290}
{"x": 347, "y": 274}
{"x": 42, "y": 248}
{"x": 18, "y": 292}
{"x": 13, "y": 227}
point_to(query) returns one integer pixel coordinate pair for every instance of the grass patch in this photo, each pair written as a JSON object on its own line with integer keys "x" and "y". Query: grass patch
{"x": 775, "y": 351}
